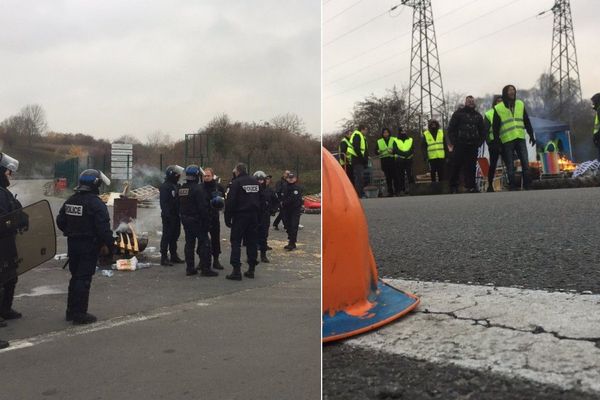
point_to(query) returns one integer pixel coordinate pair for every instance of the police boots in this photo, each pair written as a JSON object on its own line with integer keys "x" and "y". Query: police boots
{"x": 250, "y": 272}
{"x": 175, "y": 259}
{"x": 263, "y": 257}
{"x": 206, "y": 271}
{"x": 164, "y": 260}
{"x": 236, "y": 275}
{"x": 291, "y": 246}
{"x": 216, "y": 263}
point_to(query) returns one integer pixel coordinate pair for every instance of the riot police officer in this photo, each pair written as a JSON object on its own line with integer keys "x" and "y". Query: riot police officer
{"x": 268, "y": 205}
{"x": 216, "y": 194}
{"x": 84, "y": 220}
{"x": 291, "y": 207}
{"x": 169, "y": 213}
{"x": 8, "y": 251}
{"x": 241, "y": 215}
{"x": 193, "y": 207}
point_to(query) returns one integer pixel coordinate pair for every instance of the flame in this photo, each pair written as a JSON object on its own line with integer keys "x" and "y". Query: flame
{"x": 565, "y": 164}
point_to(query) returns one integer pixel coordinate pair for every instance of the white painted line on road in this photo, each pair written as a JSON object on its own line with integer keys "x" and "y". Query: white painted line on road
{"x": 544, "y": 337}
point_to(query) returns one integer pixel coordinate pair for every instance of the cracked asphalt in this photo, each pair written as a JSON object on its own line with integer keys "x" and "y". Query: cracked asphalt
{"x": 522, "y": 321}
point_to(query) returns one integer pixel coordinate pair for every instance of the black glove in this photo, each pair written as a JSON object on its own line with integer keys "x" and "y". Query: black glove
{"x": 532, "y": 140}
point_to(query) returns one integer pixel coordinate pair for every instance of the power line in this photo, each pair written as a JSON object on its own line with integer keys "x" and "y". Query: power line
{"x": 444, "y": 52}
{"x": 360, "y": 26}
{"x": 394, "y": 38}
{"x": 341, "y": 12}
{"x": 405, "y": 51}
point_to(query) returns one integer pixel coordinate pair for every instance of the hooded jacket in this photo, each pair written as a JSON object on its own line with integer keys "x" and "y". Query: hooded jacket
{"x": 466, "y": 127}
{"x": 510, "y": 104}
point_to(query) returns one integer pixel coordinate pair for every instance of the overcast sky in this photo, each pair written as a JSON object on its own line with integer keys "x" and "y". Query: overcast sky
{"x": 114, "y": 67}
{"x": 517, "y": 55}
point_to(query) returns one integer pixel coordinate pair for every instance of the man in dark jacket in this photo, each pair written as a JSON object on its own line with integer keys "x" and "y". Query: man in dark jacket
{"x": 193, "y": 208}
{"x": 268, "y": 204}
{"x": 8, "y": 251}
{"x": 242, "y": 207}
{"x": 509, "y": 126}
{"x": 466, "y": 132}
{"x": 279, "y": 190}
{"x": 291, "y": 206}
{"x": 169, "y": 214}
{"x": 215, "y": 192}
{"x": 84, "y": 220}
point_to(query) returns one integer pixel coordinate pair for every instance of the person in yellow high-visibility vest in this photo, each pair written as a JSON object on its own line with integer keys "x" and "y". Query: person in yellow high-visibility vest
{"x": 404, "y": 151}
{"x": 344, "y": 154}
{"x": 435, "y": 149}
{"x": 385, "y": 151}
{"x": 510, "y": 124}
{"x": 360, "y": 157}
{"x": 494, "y": 148}
{"x": 596, "y": 132}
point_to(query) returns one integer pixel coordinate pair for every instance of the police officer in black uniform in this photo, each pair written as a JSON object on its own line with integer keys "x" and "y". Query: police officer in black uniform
{"x": 268, "y": 206}
{"x": 242, "y": 207}
{"x": 169, "y": 213}
{"x": 216, "y": 194}
{"x": 8, "y": 251}
{"x": 193, "y": 207}
{"x": 279, "y": 190}
{"x": 84, "y": 220}
{"x": 291, "y": 207}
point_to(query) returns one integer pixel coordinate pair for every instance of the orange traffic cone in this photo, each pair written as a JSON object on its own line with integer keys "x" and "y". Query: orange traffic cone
{"x": 354, "y": 299}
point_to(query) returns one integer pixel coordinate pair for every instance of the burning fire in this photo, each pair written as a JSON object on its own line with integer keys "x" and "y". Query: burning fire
{"x": 566, "y": 165}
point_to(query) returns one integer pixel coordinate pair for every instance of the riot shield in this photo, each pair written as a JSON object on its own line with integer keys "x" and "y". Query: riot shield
{"x": 27, "y": 239}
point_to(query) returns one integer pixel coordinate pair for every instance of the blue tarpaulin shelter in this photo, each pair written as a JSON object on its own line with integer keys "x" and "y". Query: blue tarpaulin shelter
{"x": 545, "y": 129}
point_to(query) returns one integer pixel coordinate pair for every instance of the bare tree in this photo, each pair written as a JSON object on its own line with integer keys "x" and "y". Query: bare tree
{"x": 34, "y": 121}
{"x": 289, "y": 122}
{"x": 158, "y": 139}
{"x": 127, "y": 139}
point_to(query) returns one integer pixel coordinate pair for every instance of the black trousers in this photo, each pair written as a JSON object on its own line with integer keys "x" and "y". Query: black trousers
{"x": 358, "y": 170}
{"x": 83, "y": 257}
{"x": 464, "y": 159}
{"x": 278, "y": 219}
{"x": 388, "y": 165}
{"x": 437, "y": 169}
{"x": 7, "y": 294}
{"x": 195, "y": 232}
{"x": 349, "y": 172}
{"x": 263, "y": 230}
{"x": 171, "y": 227}
{"x": 244, "y": 226}
{"x": 404, "y": 173}
{"x": 215, "y": 236}
{"x": 293, "y": 221}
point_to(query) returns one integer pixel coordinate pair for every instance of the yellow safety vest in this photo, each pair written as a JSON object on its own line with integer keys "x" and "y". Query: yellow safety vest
{"x": 512, "y": 126}
{"x": 348, "y": 156}
{"x": 385, "y": 150}
{"x": 363, "y": 144}
{"x": 404, "y": 146}
{"x": 489, "y": 114}
{"x": 596, "y": 123}
{"x": 435, "y": 147}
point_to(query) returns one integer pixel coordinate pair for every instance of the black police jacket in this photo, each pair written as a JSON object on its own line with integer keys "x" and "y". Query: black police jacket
{"x": 292, "y": 198}
{"x": 8, "y": 204}
{"x": 85, "y": 216}
{"x": 269, "y": 203}
{"x": 243, "y": 197}
{"x": 169, "y": 200}
{"x": 193, "y": 204}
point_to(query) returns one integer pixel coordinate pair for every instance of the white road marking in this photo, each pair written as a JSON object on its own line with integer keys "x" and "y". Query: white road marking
{"x": 544, "y": 337}
{"x": 45, "y": 290}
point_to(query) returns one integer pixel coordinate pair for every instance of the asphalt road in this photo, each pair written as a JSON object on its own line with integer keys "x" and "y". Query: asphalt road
{"x": 163, "y": 335}
{"x": 541, "y": 241}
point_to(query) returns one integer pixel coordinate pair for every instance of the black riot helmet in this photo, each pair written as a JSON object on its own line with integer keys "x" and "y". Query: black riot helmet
{"x": 173, "y": 173}
{"x": 193, "y": 172}
{"x": 217, "y": 201}
{"x": 90, "y": 180}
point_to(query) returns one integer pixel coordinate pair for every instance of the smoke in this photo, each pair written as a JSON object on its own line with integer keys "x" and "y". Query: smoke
{"x": 146, "y": 175}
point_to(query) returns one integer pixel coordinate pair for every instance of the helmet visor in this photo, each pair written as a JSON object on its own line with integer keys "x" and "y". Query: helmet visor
{"x": 104, "y": 178}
